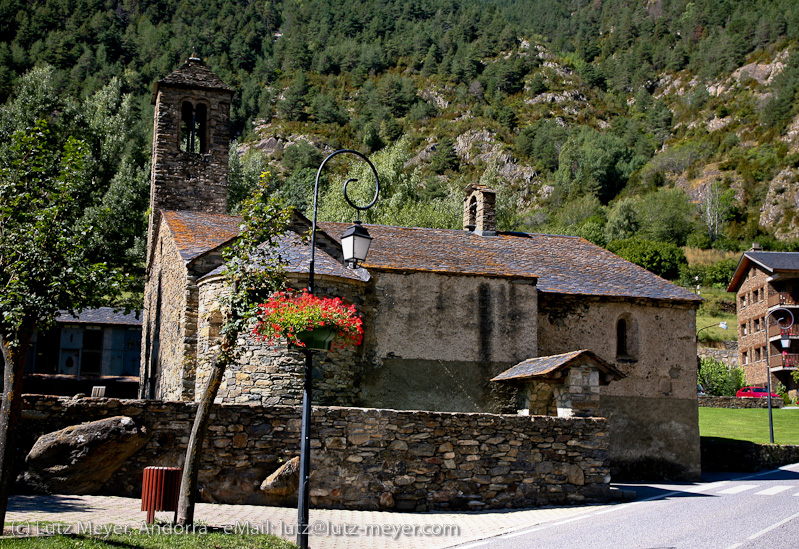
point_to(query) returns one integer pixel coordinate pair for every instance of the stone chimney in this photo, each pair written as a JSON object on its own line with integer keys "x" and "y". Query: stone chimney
{"x": 756, "y": 247}
{"x": 479, "y": 212}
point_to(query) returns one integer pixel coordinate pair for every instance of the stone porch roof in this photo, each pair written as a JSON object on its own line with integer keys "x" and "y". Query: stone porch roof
{"x": 562, "y": 264}
{"x": 193, "y": 73}
{"x": 773, "y": 262}
{"x": 196, "y": 233}
{"x": 548, "y": 367}
{"x": 101, "y": 315}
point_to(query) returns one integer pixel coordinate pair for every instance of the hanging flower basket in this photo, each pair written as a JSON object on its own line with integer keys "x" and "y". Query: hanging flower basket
{"x": 308, "y": 321}
{"x": 320, "y": 339}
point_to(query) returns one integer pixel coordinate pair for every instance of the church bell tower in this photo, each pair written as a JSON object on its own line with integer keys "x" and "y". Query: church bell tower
{"x": 191, "y": 136}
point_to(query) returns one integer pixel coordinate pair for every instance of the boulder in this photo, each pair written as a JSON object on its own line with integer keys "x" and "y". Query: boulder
{"x": 81, "y": 458}
{"x": 285, "y": 481}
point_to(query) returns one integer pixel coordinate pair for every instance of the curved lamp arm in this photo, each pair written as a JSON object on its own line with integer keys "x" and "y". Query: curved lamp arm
{"x": 358, "y": 209}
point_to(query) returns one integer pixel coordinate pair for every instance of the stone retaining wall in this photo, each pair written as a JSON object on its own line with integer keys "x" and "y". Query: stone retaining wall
{"x": 735, "y": 402}
{"x": 744, "y": 456}
{"x": 361, "y": 458}
{"x": 725, "y": 356}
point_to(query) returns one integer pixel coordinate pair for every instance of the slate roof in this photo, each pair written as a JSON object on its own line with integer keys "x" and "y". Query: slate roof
{"x": 773, "y": 262}
{"x": 297, "y": 256}
{"x": 196, "y": 233}
{"x": 562, "y": 264}
{"x": 546, "y": 366}
{"x": 192, "y": 74}
{"x": 101, "y": 315}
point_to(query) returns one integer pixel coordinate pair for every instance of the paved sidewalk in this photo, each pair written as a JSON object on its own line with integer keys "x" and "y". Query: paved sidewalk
{"x": 333, "y": 529}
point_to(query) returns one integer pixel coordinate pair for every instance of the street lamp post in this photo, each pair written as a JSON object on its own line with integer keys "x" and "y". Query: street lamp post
{"x": 355, "y": 245}
{"x": 722, "y": 325}
{"x": 785, "y": 342}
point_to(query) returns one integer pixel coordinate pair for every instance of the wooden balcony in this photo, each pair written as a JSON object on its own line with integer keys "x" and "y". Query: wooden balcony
{"x": 776, "y": 331}
{"x": 784, "y": 362}
{"x": 783, "y": 299}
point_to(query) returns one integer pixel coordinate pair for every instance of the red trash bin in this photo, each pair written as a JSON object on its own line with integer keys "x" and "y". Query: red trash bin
{"x": 160, "y": 490}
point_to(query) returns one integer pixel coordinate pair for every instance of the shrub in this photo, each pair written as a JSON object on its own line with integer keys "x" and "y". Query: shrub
{"x": 718, "y": 379}
{"x": 662, "y": 258}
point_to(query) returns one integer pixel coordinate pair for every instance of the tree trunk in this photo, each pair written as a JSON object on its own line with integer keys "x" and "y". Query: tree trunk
{"x": 11, "y": 408}
{"x": 191, "y": 466}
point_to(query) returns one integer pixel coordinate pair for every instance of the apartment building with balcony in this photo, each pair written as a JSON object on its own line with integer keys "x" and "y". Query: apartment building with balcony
{"x": 766, "y": 285}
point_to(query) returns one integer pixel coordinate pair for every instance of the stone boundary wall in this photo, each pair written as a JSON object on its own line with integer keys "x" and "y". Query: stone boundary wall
{"x": 361, "y": 458}
{"x": 735, "y": 402}
{"x": 746, "y": 457}
{"x": 725, "y": 356}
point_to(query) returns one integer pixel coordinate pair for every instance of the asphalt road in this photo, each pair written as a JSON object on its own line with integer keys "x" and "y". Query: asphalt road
{"x": 726, "y": 511}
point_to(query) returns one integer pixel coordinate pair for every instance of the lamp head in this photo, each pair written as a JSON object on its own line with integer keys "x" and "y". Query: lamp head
{"x": 355, "y": 244}
{"x": 785, "y": 339}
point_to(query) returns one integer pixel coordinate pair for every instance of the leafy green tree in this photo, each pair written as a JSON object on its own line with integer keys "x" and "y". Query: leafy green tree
{"x": 301, "y": 155}
{"x": 666, "y": 215}
{"x": 660, "y": 118}
{"x": 244, "y": 171}
{"x": 402, "y": 200}
{"x": 444, "y": 157}
{"x": 622, "y": 220}
{"x": 580, "y": 210}
{"x": 537, "y": 84}
{"x": 326, "y": 110}
{"x": 397, "y": 93}
{"x": 594, "y": 163}
{"x": 717, "y": 204}
{"x": 542, "y": 142}
{"x": 253, "y": 270}
{"x": 45, "y": 265}
{"x": 718, "y": 379}
{"x": 292, "y": 106}
{"x": 662, "y": 258}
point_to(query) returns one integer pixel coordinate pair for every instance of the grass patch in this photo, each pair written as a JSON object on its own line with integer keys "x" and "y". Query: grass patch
{"x": 749, "y": 424}
{"x": 697, "y": 256}
{"x": 142, "y": 540}
{"x": 719, "y": 306}
{"x": 714, "y": 333}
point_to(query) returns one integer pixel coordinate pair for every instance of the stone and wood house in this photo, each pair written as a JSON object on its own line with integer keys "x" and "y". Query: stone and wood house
{"x": 445, "y": 311}
{"x": 766, "y": 285}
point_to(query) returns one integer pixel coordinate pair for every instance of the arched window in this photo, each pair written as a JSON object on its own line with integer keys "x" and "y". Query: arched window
{"x": 193, "y": 127}
{"x": 626, "y": 338}
{"x": 621, "y": 339}
{"x": 472, "y": 213}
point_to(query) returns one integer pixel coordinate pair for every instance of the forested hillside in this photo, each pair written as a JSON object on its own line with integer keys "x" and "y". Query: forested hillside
{"x": 640, "y": 125}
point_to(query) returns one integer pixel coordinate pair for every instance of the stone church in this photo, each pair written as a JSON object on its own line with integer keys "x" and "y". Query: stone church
{"x": 446, "y": 312}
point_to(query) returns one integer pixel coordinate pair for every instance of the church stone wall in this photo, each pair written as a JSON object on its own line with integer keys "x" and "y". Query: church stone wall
{"x": 167, "y": 348}
{"x": 660, "y": 369}
{"x": 439, "y": 339}
{"x": 272, "y": 376}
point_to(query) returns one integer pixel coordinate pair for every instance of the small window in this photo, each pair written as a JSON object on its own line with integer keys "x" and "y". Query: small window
{"x": 621, "y": 338}
{"x": 472, "y": 213}
{"x": 193, "y": 128}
